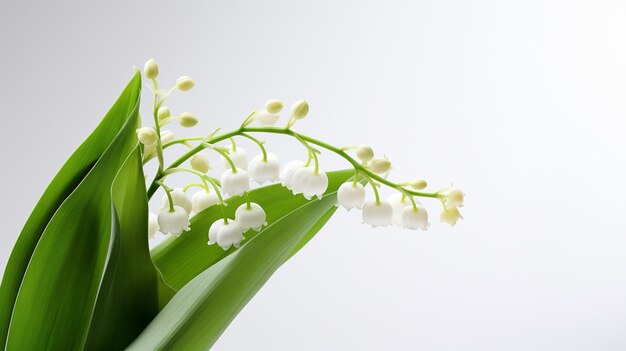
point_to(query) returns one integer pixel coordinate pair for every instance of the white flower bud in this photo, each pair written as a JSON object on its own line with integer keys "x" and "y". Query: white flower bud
{"x": 377, "y": 214}
{"x": 229, "y": 234}
{"x": 147, "y": 135}
{"x": 364, "y": 153}
{"x": 173, "y": 222}
{"x": 187, "y": 120}
{"x": 235, "y": 183}
{"x": 288, "y": 171}
{"x": 398, "y": 204}
{"x": 418, "y": 184}
{"x": 239, "y": 158}
{"x": 450, "y": 215}
{"x": 179, "y": 198}
{"x": 250, "y": 218}
{"x": 151, "y": 69}
{"x": 163, "y": 113}
{"x": 273, "y": 106}
{"x": 451, "y": 197}
{"x": 267, "y": 118}
{"x": 166, "y": 136}
{"x": 414, "y": 218}
{"x": 300, "y": 109}
{"x": 153, "y": 225}
{"x": 214, "y": 229}
{"x": 380, "y": 165}
{"x": 203, "y": 199}
{"x": 309, "y": 183}
{"x": 351, "y": 195}
{"x": 200, "y": 163}
{"x": 263, "y": 170}
{"x": 185, "y": 83}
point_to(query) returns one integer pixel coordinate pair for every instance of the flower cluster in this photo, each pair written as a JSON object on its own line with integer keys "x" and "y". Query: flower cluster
{"x": 300, "y": 176}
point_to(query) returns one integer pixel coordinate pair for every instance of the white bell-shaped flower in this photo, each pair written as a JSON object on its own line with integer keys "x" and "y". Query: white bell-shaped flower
{"x": 203, "y": 199}
{"x": 309, "y": 183}
{"x": 398, "y": 203}
{"x": 214, "y": 229}
{"x": 452, "y": 197}
{"x": 250, "y": 218}
{"x": 351, "y": 195}
{"x": 229, "y": 234}
{"x": 377, "y": 214}
{"x": 414, "y": 218}
{"x": 264, "y": 170}
{"x": 450, "y": 215}
{"x": 235, "y": 183}
{"x": 288, "y": 171}
{"x": 239, "y": 158}
{"x": 173, "y": 222}
{"x": 153, "y": 225}
{"x": 179, "y": 198}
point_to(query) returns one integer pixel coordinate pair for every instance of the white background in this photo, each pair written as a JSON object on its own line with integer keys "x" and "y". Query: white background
{"x": 520, "y": 103}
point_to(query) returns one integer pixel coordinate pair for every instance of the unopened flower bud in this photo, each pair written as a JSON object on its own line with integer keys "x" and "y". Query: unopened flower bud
{"x": 147, "y": 135}
{"x": 151, "y": 69}
{"x": 163, "y": 113}
{"x": 364, "y": 153}
{"x": 273, "y": 106}
{"x": 200, "y": 163}
{"x": 300, "y": 109}
{"x": 185, "y": 83}
{"x": 380, "y": 165}
{"x": 418, "y": 184}
{"x": 187, "y": 120}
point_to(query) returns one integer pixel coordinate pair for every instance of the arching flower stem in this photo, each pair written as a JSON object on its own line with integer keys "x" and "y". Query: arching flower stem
{"x": 304, "y": 139}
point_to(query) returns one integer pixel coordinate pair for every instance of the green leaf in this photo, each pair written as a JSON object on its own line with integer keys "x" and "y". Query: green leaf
{"x": 86, "y": 257}
{"x": 68, "y": 178}
{"x": 181, "y": 259}
{"x": 128, "y": 299}
{"x": 199, "y": 313}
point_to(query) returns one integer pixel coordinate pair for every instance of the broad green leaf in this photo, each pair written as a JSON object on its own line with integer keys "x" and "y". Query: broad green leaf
{"x": 199, "y": 313}
{"x": 181, "y": 259}
{"x": 68, "y": 178}
{"x": 128, "y": 299}
{"x": 75, "y": 256}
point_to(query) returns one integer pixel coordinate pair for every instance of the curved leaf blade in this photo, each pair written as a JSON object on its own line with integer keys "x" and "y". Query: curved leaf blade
{"x": 58, "y": 293}
{"x": 68, "y": 178}
{"x": 199, "y": 313}
{"x": 128, "y": 298}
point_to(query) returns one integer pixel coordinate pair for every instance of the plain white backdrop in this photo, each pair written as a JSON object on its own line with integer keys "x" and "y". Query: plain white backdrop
{"x": 520, "y": 103}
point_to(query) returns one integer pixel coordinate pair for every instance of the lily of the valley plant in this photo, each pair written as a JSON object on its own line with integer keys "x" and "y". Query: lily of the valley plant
{"x": 82, "y": 277}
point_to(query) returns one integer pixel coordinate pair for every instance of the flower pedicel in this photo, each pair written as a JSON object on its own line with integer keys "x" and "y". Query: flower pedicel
{"x": 301, "y": 177}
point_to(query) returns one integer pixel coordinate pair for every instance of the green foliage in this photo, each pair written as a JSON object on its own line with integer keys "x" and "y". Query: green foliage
{"x": 81, "y": 276}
